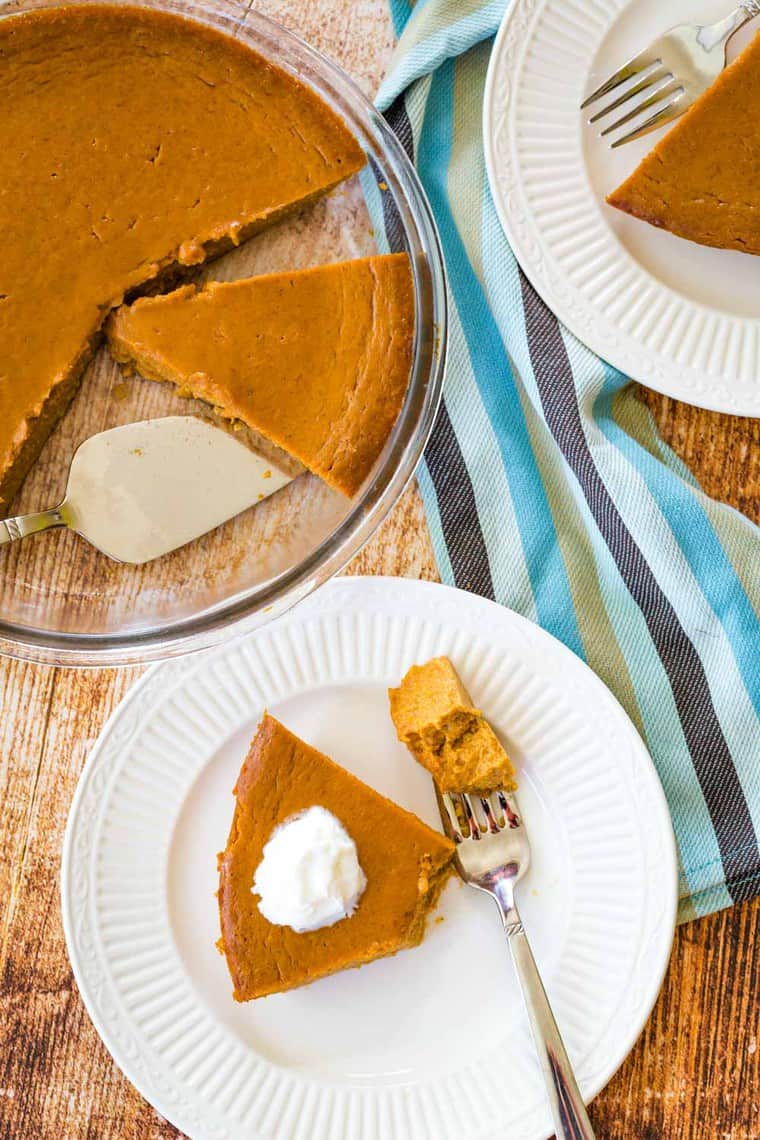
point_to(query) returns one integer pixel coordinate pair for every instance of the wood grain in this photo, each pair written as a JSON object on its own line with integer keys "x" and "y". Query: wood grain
{"x": 694, "y": 1073}
{"x": 722, "y": 451}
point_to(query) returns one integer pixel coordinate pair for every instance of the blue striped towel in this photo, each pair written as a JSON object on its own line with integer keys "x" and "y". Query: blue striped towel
{"x": 547, "y": 487}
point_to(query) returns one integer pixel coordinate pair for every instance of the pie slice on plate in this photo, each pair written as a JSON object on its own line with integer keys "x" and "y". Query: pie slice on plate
{"x": 317, "y": 360}
{"x": 405, "y": 862}
{"x": 702, "y": 181}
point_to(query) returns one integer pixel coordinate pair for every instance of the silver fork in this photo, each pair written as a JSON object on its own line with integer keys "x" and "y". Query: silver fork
{"x": 670, "y": 74}
{"x": 492, "y": 855}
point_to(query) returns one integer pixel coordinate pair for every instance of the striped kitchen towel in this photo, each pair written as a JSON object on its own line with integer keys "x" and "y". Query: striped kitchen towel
{"x": 547, "y": 487}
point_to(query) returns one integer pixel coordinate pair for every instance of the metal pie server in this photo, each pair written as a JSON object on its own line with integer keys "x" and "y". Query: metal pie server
{"x": 139, "y": 491}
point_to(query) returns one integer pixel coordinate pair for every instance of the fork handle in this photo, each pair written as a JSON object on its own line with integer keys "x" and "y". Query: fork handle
{"x": 712, "y": 35}
{"x": 571, "y": 1120}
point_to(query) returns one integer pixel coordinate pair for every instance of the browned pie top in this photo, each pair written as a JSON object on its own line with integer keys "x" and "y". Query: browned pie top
{"x": 400, "y": 856}
{"x": 130, "y": 140}
{"x": 702, "y": 181}
{"x": 317, "y": 360}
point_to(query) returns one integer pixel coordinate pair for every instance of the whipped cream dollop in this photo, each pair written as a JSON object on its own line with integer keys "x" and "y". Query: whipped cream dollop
{"x": 309, "y": 876}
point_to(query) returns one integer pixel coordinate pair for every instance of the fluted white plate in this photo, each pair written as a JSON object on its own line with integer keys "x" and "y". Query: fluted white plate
{"x": 418, "y": 1046}
{"x": 680, "y": 317}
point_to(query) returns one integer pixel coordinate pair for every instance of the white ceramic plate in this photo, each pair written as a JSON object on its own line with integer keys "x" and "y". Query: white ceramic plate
{"x": 409, "y": 1048}
{"x": 681, "y": 318}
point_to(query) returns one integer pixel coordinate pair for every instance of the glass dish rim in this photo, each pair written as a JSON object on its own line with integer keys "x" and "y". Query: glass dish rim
{"x": 253, "y": 607}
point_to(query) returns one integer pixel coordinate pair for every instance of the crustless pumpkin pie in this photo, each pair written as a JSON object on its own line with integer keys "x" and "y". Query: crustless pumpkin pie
{"x": 405, "y": 862}
{"x": 435, "y": 718}
{"x": 317, "y": 360}
{"x": 702, "y": 181}
{"x": 131, "y": 142}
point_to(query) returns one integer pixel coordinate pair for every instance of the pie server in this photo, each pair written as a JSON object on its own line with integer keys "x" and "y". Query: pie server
{"x": 136, "y": 492}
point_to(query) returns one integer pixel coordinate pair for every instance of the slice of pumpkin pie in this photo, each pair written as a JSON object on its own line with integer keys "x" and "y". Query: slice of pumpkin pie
{"x": 317, "y": 360}
{"x": 320, "y": 872}
{"x": 702, "y": 180}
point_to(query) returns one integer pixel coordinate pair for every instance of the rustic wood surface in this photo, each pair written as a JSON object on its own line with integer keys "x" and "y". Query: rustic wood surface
{"x": 696, "y": 1069}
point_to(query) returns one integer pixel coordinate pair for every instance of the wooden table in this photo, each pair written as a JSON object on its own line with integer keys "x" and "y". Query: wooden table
{"x": 696, "y": 1070}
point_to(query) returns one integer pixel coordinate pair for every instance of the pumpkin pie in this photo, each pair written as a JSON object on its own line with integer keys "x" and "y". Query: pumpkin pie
{"x": 435, "y": 718}
{"x": 405, "y": 862}
{"x": 702, "y": 180}
{"x": 317, "y": 360}
{"x": 133, "y": 143}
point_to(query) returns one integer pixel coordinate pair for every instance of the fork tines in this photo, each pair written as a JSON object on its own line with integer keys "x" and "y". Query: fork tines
{"x": 472, "y": 816}
{"x": 656, "y": 89}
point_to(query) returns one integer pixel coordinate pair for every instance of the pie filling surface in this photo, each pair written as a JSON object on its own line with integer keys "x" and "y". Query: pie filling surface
{"x": 406, "y": 864}
{"x": 132, "y": 141}
{"x": 437, "y": 721}
{"x": 702, "y": 180}
{"x": 317, "y": 360}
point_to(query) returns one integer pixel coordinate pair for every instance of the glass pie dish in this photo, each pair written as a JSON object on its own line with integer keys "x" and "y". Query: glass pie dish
{"x": 61, "y": 601}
